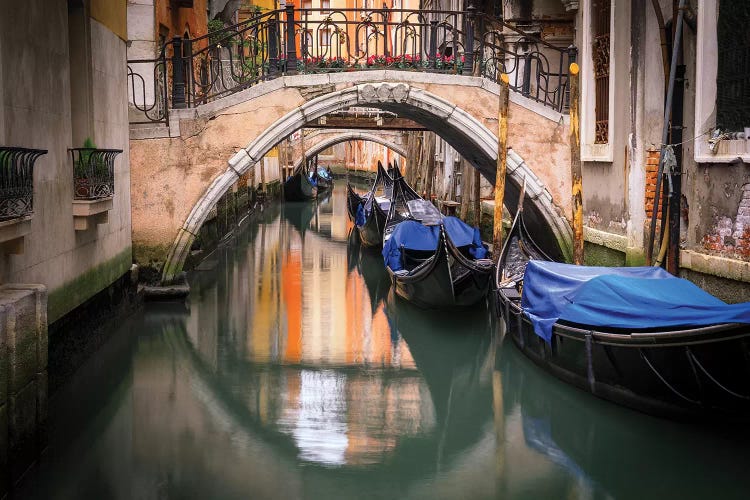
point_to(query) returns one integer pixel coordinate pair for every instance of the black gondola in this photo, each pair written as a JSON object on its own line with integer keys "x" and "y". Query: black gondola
{"x": 299, "y": 187}
{"x": 672, "y": 371}
{"x": 445, "y": 275}
{"x": 369, "y": 211}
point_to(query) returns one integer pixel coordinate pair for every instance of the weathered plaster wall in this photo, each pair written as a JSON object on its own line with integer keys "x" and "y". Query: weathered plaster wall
{"x": 37, "y": 102}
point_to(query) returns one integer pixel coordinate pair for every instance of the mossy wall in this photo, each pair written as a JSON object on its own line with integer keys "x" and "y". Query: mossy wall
{"x": 598, "y": 255}
{"x": 75, "y": 292}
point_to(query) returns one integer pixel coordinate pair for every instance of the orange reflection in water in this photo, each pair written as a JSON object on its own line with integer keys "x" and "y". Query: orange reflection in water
{"x": 313, "y": 313}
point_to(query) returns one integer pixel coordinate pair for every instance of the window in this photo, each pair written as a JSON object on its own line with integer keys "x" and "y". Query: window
{"x": 325, "y": 37}
{"x": 326, "y": 6}
{"x": 722, "y": 93}
{"x": 307, "y": 4}
{"x": 600, "y": 56}
{"x": 733, "y": 66}
{"x": 598, "y": 66}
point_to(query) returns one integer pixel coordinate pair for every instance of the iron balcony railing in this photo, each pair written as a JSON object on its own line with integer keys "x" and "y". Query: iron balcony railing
{"x": 191, "y": 71}
{"x": 17, "y": 181}
{"x": 93, "y": 173}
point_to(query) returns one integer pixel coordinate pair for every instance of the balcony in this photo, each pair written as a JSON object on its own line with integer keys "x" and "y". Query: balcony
{"x": 16, "y": 196}
{"x": 93, "y": 185}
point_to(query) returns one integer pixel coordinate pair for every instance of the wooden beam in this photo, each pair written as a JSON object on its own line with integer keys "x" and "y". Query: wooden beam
{"x": 502, "y": 161}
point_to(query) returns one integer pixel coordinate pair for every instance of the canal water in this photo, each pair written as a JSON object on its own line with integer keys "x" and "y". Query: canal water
{"x": 293, "y": 373}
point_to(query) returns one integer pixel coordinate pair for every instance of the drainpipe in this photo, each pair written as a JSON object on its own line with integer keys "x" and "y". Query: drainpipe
{"x": 665, "y": 130}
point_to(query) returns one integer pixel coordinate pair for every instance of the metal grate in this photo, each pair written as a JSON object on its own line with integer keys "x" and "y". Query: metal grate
{"x": 733, "y": 71}
{"x": 17, "y": 181}
{"x": 93, "y": 173}
{"x": 601, "y": 10}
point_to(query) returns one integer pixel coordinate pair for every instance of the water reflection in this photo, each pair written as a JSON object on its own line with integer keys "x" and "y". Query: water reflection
{"x": 295, "y": 373}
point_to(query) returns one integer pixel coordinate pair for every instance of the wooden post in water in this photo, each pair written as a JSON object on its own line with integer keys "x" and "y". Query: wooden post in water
{"x": 262, "y": 174}
{"x": 477, "y": 200}
{"x": 575, "y": 165}
{"x": 502, "y": 160}
{"x": 430, "y": 166}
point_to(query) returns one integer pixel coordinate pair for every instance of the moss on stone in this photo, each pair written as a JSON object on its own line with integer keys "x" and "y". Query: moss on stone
{"x": 75, "y": 292}
{"x": 598, "y": 255}
{"x": 635, "y": 257}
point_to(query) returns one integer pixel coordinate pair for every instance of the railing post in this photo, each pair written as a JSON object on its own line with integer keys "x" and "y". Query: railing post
{"x": 526, "y": 83}
{"x": 291, "y": 45}
{"x": 469, "y": 38}
{"x": 178, "y": 75}
{"x": 386, "y": 38}
{"x": 273, "y": 47}
{"x": 433, "y": 43}
{"x": 187, "y": 48}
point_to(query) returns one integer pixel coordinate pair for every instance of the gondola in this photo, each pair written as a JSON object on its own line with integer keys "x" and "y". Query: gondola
{"x": 324, "y": 180}
{"x": 369, "y": 212}
{"x": 433, "y": 261}
{"x": 299, "y": 187}
{"x": 638, "y": 337}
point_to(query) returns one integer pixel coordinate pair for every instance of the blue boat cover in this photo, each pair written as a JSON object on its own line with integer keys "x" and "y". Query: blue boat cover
{"x": 413, "y": 235}
{"x": 359, "y": 218}
{"x": 619, "y": 297}
{"x": 322, "y": 172}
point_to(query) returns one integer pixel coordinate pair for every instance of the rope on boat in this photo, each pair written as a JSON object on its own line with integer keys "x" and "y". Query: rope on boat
{"x": 712, "y": 379}
{"x": 590, "y": 362}
{"x": 664, "y": 381}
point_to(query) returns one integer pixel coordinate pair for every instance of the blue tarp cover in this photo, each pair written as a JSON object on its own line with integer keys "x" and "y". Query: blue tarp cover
{"x": 360, "y": 218}
{"x": 619, "y": 297}
{"x": 412, "y": 235}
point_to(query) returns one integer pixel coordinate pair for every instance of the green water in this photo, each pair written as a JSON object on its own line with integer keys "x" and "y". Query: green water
{"x": 293, "y": 374}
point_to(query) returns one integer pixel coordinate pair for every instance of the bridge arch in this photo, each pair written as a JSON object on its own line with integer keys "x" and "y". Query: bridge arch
{"x": 351, "y": 135}
{"x": 461, "y": 129}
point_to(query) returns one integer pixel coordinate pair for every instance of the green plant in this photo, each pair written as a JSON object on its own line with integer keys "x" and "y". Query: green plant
{"x": 88, "y": 161}
{"x": 215, "y": 31}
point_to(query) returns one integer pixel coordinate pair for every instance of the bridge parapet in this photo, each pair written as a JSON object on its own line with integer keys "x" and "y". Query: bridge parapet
{"x": 189, "y": 72}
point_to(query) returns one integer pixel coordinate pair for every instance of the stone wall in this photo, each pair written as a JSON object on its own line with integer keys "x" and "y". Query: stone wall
{"x": 40, "y": 109}
{"x": 23, "y": 379}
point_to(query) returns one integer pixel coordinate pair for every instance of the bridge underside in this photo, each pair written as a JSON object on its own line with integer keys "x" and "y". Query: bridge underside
{"x": 461, "y": 109}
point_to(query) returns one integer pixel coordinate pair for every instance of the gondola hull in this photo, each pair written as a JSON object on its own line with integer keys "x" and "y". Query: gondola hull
{"x": 371, "y": 232}
{"x": 688, "y": 373}
{"x": 436, "y": 285}
{"x": 324, "y": 185}
{"x": 352, "y": 202}
{"x": 698, "y": 373}
{"x": 299, "y": 188}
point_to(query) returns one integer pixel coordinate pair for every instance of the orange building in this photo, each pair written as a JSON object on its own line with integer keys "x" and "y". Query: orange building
{"x": 187, "y": 18}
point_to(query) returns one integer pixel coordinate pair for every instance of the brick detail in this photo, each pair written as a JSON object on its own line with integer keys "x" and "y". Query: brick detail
{"x": 652, "y": 170}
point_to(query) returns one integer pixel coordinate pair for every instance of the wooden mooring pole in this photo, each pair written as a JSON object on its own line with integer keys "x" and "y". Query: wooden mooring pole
{"x": 575, "y": 165}
{"x": 502, "y": 161}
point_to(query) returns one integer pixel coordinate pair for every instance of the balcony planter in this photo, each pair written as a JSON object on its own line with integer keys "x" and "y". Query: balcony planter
{"x": 16, "y": 196}
{"x": 93, "y": 185}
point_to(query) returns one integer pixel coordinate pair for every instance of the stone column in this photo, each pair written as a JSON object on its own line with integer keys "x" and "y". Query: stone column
{"x": 23, "y": 379}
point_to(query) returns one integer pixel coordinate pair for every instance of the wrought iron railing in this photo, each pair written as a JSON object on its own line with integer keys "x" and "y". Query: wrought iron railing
{"x": 17, "y": 181}
{"x": 93, "y": 173}
{"x": 190, "y": 72}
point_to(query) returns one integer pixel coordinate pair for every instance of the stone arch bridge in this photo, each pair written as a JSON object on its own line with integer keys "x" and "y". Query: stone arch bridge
{"x": 179, "y": 172}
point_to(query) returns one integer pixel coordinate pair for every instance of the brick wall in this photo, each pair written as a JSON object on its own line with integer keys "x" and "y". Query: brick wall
{"x": 652, "y": 170}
